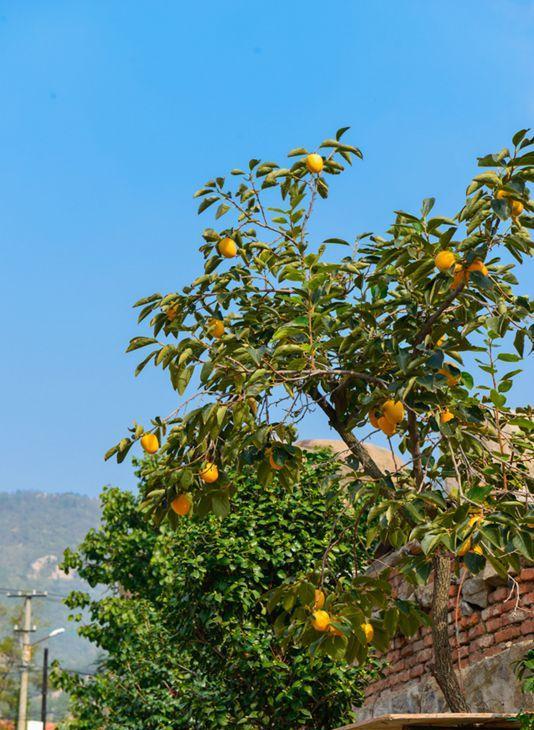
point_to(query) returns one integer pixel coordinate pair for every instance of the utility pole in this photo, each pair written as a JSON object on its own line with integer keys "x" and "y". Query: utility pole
{"x": 45, "y": 687}
{"x": 25, "y": 632}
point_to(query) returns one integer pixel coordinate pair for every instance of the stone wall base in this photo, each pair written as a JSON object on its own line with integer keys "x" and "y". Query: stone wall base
{"x": 490, "y": 686}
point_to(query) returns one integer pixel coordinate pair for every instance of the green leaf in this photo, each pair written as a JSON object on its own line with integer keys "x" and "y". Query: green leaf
{"x": 138, "y": 342}
{"x": 509, "y": 357}
{"x": 497, "y": 398}
{"x": 207, "y": 202}
{"x": 221, "y": 504}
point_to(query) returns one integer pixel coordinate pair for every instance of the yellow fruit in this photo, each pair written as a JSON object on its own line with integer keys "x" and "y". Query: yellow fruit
{"x": 477, "y": 265}
{"x": 385, "y": 425}
{"x": 209, "y": 474}
{"x": 516, "y": 205}
{"x": 369, "y": 632}
{"x": 441, "y": 340}
{"x": 272, "y": 462}
{"x": 478, "y": 550}
{"x": 314, "y": 163}
{"x": 444, "y": 260}
{"x": 445, "y": 416}
{"x": 182, "y": 504}
{"x": 393, "y": 411}
{"x": 517, "y": 208}
{"x": 253, "y": 405}
{"x": 460, "y": 277}
{"x": 150, "y": 443}
{"x": 227, "y": 247}
{"x": 475, "y": 519}
{"x": 373, "y": 418}
{"x": 216, "y": 328}
{"x": 319, "y": 599}
{"x": 464, "y": 548}
{"x": 321, "y": 620}
{"x": 452, "y": 380}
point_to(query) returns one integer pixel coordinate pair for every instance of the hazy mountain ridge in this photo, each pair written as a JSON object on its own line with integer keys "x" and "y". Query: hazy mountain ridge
{"x": 35, "y": 529}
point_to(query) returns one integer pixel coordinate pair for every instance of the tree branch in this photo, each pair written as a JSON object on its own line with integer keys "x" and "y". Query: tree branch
{"x": 359, "y": 451}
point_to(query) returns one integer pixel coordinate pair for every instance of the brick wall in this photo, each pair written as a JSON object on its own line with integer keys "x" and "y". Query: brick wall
{"x": 494, "y": 624}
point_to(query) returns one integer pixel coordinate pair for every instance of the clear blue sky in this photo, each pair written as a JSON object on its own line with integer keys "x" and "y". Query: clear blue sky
{"x": 113, "y": 113}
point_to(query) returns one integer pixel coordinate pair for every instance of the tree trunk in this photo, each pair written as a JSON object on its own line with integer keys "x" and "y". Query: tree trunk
{"x": 443, "y": 669}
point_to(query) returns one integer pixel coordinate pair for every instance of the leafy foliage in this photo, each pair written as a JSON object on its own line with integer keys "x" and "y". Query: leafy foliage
{"x": 185, "y": 627}
{"x": 296, "y": 330}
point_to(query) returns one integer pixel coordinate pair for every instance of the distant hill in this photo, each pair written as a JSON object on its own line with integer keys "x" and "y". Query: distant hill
{"x": 35, "y": 529}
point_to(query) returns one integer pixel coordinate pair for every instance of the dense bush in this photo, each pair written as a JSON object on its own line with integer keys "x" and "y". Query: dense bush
{"x": 188, "y": 639}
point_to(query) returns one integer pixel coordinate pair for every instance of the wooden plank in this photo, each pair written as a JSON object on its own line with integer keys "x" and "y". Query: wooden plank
{"x": 437, "y": 719}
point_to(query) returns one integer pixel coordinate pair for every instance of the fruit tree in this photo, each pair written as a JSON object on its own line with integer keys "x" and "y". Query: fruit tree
{"x": 417, "y": 333}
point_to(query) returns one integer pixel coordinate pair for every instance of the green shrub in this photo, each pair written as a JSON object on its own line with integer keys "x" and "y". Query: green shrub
{"x": 188, "y": 640}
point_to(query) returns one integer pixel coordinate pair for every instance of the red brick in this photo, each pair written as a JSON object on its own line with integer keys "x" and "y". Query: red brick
{"x": 507, "y": 634}
{"x": 471, "y": 620}
{"x": 484, "y": 642}
{"x": 428, "y": 641}
{"x": 406, "y": 650}
{"x": 492, "y": 651}
{"x": 416, "y": 672}
{"x": 515, "y": 616}
{"x": 494, "y": 624}
{"x": 526, "y": 574}
{"x": 417, "y": 646}
{"x": 474, "y": 658}
{"x": 498, "y": 596}
{"x": 479, "y": 630}
{"x": 464, "y": 651}
{"x": 495, "y": 610}
{"x": 527, "y": 627}
{"x": 527, "y": 599}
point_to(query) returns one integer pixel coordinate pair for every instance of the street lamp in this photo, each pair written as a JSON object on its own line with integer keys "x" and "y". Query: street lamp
{"x": 44, "y": 689}
{"x": 55, "y": 632}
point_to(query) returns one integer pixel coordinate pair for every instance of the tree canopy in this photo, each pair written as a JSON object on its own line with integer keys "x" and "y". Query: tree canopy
{"x": 417, "y": 332}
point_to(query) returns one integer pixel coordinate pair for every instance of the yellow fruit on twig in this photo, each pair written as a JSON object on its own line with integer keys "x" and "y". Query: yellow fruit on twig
{"x": 182, "y": 504}
{"x": 516, "y": 205}
{"x": 319, "y": 599}
{"x": 314, "y": 163}
{"x": 373, "y": 418}
{"x": 216, "y": 328}
{"x": 517, "y": 208}
{"x": 210, "y": 473}
{"x": 393, "y": 411}
{"x": 320, "y": 620}
{"x": 477, "y": 265}
{"x": 385, "y": 425}
{"x": 464, "y": 548}
{"x": 452, "y": 380}
{"x": 368, "y": 630}
{"x": 227, "y": 247}
{"x": 478, "y": 550}
{"x": 444, "y": 260}
{"x": 445, "y": 416}
{"x": 460, "y": 276}
{"x": 150, "y": 443}
{"x": 475, "y": 519}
